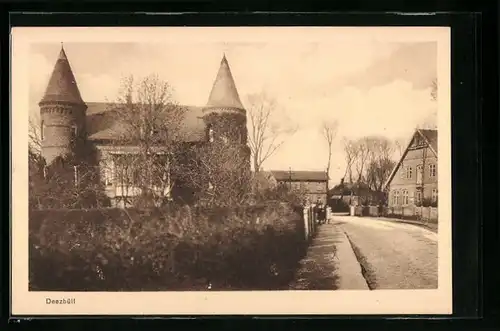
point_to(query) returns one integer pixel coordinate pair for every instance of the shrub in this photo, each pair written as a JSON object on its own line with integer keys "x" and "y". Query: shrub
{"x": 428, "y": 202}
{"x": 339, "y": 205}
{"x": 173, "y": 248}
{"x": 280, "y": 193}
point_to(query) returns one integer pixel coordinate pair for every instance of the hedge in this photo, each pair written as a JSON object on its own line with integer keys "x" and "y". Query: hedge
{"x": 251, "y": 248}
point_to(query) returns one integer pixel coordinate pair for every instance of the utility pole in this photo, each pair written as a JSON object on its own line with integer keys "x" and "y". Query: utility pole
{"x": 290, "y": 177}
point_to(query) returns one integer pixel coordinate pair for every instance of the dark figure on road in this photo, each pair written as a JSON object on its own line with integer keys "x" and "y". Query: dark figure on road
{"x": 320, "y": 213}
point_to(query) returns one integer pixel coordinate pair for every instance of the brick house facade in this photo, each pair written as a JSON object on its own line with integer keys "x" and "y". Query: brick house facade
{"x": 312, "y": 183}
{"x": 414, "y": 180}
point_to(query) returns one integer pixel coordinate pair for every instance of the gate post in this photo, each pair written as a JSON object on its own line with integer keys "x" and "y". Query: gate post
{"x": 306, "y": 222}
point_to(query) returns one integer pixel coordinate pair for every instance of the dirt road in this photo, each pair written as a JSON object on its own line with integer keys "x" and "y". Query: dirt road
{"x": 393, "y": 256}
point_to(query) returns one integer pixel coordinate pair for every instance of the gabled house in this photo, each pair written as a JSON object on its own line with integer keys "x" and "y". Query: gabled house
{"x": 414, "y": 179}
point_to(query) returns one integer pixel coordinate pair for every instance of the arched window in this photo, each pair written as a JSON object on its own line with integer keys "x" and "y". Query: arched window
{"x": 42, "y": 130}
{"x": 405, "y": 197}
{"x": 211, "y": 134}
{"x": 395, "y": 198}
{"x": 74, "y": 131}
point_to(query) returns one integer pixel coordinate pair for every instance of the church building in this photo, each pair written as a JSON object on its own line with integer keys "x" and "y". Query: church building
{"x": 68, "y": 121}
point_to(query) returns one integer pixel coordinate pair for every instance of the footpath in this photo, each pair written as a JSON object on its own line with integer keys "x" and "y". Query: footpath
{"x": 330, "y": 263}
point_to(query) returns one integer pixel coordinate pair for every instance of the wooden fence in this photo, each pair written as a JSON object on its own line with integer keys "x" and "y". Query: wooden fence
{"x": 404, "y": 212}
{"x": 310, "y": 222}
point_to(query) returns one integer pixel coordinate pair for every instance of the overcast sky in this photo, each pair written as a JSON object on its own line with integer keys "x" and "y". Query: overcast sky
{"x": 370, "y": 87}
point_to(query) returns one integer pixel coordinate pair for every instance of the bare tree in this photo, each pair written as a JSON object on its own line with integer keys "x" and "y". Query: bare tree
{"x": 351, "y": 154}
{"x": 34, "y": 135}
{"x": 267, "y": 133}
{"x": 364, "y": 151}
{"x": 219, "y": 172}
{"x": 430, "y": 122}
{"x": 399, "y": 146}
{"x": 148, "y": 140}
{"x": 380, "y": 164}
{"x": 329, "y": 131}
{"x": 434, "y": 89}
{"x": 68, "y": 182}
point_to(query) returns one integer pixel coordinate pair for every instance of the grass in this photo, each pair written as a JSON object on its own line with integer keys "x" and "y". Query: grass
{"x": 366, "y": 269}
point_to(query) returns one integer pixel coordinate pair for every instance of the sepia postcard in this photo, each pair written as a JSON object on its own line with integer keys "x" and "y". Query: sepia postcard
{"x": 231, "y": 170}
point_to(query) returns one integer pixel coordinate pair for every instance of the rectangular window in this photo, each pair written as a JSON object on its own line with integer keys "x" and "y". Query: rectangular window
{"x": 107, "y": 171}
{"x": 403, "y": 172}
{"x": 409, "y": 172}
{"x": 405, "y": 197}
{"x": 160, "y": 174}
{"x": 434, "y": 195}
{"x": 123, "y": 167}
{"x": 419, "y": 174}
{"x": 74, "y": 131}
{"x": 136, "y": 177}
{"x": 432, "y": 170}
{"x": 397, "y": 198}
{"x": 42, "y": 130}
{"x": 75, "y": 170}
{"x": 418, "y": 197}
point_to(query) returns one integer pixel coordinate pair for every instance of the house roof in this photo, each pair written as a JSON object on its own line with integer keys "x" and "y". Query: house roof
{"x": 298, "y": 176}
{"x": 104, "y": 122}
{"x": 62, "y": 85}
{"x": 224, "y": 93}
{"x": 430, "y": 137}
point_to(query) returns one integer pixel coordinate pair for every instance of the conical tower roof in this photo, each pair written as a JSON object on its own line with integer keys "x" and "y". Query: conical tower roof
{"x": 62, "y": 84}
{"x": 224, "y": 93}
